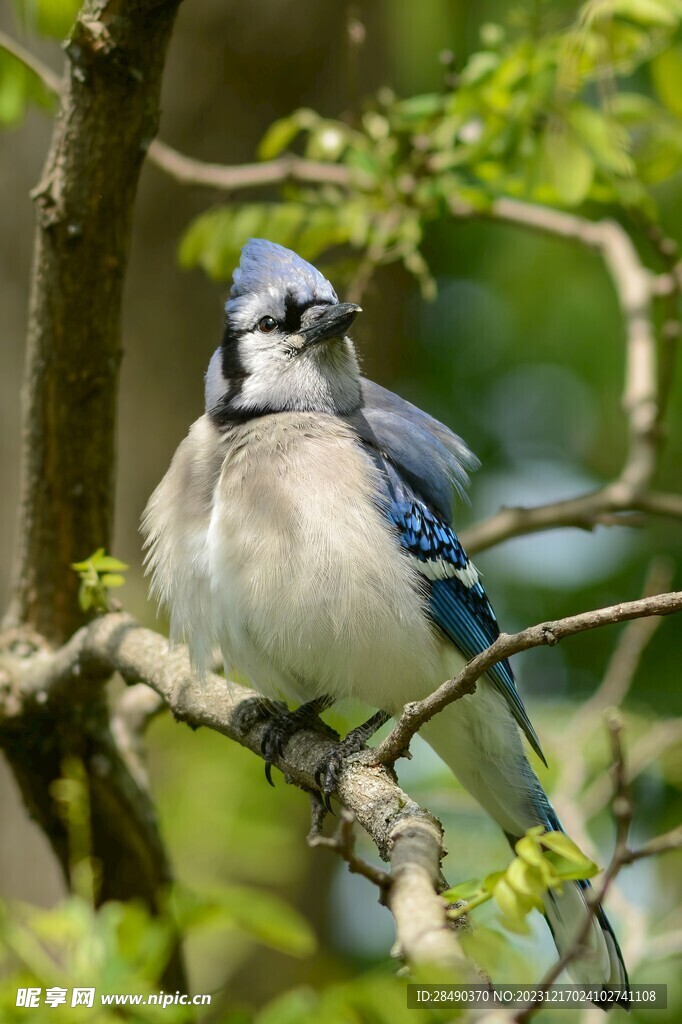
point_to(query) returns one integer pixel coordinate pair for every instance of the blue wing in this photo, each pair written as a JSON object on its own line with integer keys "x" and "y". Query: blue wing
{"x": 430, "y": 458}
{"x": 457, "y": 601}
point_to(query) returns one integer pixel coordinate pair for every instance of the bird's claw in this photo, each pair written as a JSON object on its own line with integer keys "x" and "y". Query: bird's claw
{"x": 283, "y": 724}
{"x": 254, "y": 710}
{"x": 327, "y": 776}
{"x": 330, "y": 767}
{"x": 277, "y": 733}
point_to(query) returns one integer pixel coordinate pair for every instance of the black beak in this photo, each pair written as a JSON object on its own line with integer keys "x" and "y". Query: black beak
{"x": 331, "y": 322}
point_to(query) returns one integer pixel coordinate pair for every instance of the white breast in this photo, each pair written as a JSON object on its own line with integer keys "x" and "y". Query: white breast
{"x": 310, "y": 590}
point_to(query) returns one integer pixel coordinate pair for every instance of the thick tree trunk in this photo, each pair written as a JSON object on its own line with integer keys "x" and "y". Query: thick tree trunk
{"x": 108, "y": 115}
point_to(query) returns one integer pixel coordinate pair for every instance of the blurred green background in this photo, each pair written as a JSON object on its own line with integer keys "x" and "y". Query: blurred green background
{"x": 521, "y": 352}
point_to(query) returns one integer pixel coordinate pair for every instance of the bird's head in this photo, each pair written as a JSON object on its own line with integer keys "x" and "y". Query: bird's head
{"x": 285, "y": 345}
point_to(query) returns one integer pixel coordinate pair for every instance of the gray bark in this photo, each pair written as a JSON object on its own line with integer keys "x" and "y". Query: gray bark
{"x": 108, "y": 115}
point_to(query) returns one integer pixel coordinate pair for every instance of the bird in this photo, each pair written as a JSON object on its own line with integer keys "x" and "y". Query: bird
{"x": 305, "y": 528}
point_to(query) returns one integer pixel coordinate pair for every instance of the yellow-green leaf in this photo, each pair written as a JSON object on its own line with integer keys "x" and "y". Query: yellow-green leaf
{"x": 666, "y": 71}
{"x": 527, "y": 880}
{"x": 112, "y": 579}
{"x": 559, "y": 843}
{"x": 647, "y": 12}
{"x": 513, "y": 904}
{"x": 529, "y": 850}
{"x": 463, "y": 891}
{"x": 278, "y": 137}
{"x": 107, "y": 563}
{"x": 569, "y": 167}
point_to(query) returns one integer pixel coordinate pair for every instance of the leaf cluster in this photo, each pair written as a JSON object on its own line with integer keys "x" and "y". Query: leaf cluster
{"x": 555, "y": 116}
{"x": 544, "y": 862}
{"x": 98, "y": 574}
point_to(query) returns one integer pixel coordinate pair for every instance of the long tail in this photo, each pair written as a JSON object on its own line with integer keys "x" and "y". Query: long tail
{"x": 480, "y": 742}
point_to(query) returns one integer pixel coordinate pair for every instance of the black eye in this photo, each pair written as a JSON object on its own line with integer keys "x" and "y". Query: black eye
{"x": 267, "y": 324}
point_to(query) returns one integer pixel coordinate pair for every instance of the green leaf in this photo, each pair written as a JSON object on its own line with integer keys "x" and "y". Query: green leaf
{"x": 50, "y": 17}
{"x": 666, "y": 72}
{"x": 85, "y": 597}
{"x": 419, "y": 108}
{"x": 463, "y": 891}
{"x": 649, "y": 13}
{"x": 491, "y": 880}
{"x": 658, "y": 151}
{"x": 565, "y": 848}
{"x": 517, "y": 925}
{"x": 525, "y": 879}
{"x": 278, "y": 137}
{"x": 569, "y": 167}
{"x": 19, "y": 88}
{"x": 479, "y": 66}
{"x": 110, "y": 579}
{"x": 633, "y": 108}
{"x": 88, "y": 562}
{"x": 529, "y": 850}
{"x": 607, "y": 140}
{"x": 214, "y": 240}
{"x": 514, "y": 904}
{"x": 260, "y": 914}
{"x": 107, "y": 563}
{"x": 298, "y": 1006}
{"x": 376, "y": 125}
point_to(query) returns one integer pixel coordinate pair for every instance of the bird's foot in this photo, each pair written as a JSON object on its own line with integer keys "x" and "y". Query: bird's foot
{"x": 255, "y": 710}
{"x": 282, "y": 724}
{"x": 329, "y": 770}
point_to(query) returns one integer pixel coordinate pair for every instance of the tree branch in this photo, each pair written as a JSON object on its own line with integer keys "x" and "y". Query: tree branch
{"x": 617, "y": 680}
{"x": 84, "y": 201}
{"x": 188, "y": 171}
{"x": 636, "y": 287}
{"x": 546, "y": 633}
{"x": 404, "y": 834}
{"x": 343, "y": 843}
{"x": 602, "y": 507}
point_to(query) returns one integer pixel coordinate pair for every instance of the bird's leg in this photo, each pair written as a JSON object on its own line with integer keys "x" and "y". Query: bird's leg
{"x": 327, "y": 774}
{"x": 282, "y": 724}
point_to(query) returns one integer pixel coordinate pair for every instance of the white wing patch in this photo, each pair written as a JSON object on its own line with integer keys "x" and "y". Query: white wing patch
{"x": 441, "y": 569}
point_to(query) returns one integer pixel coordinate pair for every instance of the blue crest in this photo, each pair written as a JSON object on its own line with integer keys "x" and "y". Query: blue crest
{"x": 266, "y": 267}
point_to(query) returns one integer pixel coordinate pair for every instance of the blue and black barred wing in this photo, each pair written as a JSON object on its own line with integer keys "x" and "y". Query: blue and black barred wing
{"x": 423, "y": 466}
{"x": 457, "y": 602}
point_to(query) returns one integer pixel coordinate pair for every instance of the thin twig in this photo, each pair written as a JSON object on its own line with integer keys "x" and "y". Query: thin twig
{"x": 666, "y": 843}
{"x": 188, "y": 171}
{"x": 635, "y": 290}
{"x": 47, "y": 76}
{"x": 650, "y": 747}
{"x": 604, "y": 507}
{"x": 343, "y": 843}
{"x": 621, "y": 857}
{"x": 414, "y": 715}
{"x": 615, "y": 685}
{"x": 627, "y": 654}
{"x": 622, "y": 812}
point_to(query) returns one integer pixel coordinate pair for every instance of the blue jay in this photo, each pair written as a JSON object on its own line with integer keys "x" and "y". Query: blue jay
{"x": 305, "y": 527}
